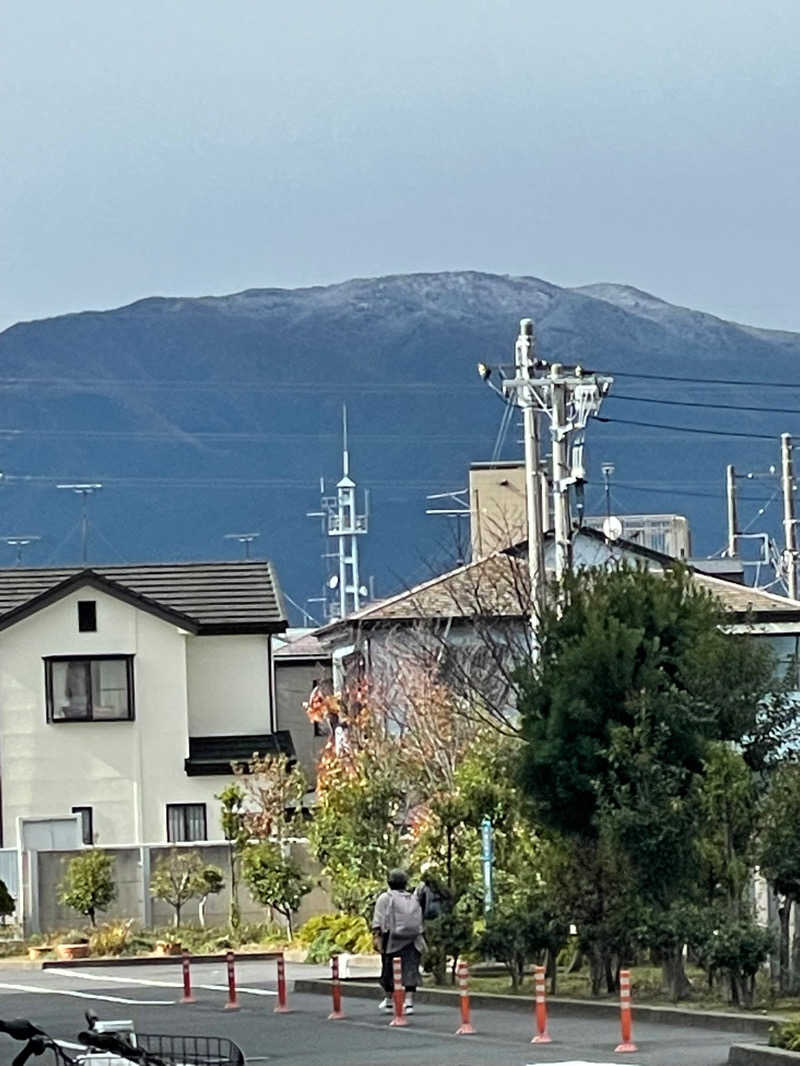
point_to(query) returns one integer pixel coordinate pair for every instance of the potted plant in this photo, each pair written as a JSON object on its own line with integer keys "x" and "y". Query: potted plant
{"x": 169, "y": 947}
{"x": 38, "y": 947}
{"x": 73, "y": 945}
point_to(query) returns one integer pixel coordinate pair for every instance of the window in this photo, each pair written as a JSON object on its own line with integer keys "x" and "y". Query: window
{"x": 87, "y": 828}
{"x": 186, "y": 821}
{"x": 87, "y": 616}
{"x": 89, "y": 690}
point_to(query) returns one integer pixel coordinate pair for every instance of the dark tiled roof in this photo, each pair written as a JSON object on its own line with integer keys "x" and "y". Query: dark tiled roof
{"x": 225, "y": 597}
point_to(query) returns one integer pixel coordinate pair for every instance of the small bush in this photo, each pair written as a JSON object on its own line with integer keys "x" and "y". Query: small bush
{"x": 785, "y": 1036}
{"x": 111, "y": 938}
{"x": 331, "y": 934}
{"x": 70, "y": 936}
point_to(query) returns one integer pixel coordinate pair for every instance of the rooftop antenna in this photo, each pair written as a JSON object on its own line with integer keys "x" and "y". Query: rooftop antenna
{"x": 84, "y": 489}
{"x": 244, "y": 538}
{"x": 20, "y": 543}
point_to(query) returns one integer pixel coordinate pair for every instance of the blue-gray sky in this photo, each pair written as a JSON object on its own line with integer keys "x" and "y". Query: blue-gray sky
{"x": 194, "y": 147}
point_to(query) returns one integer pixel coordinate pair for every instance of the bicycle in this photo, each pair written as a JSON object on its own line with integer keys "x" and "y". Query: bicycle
{"x": 107, "y": 1046}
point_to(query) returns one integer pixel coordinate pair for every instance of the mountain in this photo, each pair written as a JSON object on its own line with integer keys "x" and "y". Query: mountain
{"x": 207, "y": 416}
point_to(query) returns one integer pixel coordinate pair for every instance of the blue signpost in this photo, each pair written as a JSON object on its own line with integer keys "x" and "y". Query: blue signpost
{"x": 487, "y": 861}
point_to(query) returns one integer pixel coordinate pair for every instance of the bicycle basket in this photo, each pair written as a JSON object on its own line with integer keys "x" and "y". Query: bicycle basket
{"x": 192, "y": 1050}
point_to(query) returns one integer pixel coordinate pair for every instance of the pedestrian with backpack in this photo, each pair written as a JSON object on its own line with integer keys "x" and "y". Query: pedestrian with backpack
{"x": 397, "y": 927}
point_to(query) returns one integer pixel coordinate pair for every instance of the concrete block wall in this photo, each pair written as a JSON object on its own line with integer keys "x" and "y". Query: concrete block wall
{"x": 132, "y": 870}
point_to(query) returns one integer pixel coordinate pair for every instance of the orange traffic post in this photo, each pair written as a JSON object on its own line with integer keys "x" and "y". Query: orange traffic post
{"x": 465, "y": 1029}
{"x": 187, "y": 980}
{"x": 399, "y": 994}
{"x": 625, "y": 1012}
{"x": 283, "y": 1006}
{"x": 233, "y": 1002}
{"x": 542, "y": 1035}
{"x": 336, "y": 991}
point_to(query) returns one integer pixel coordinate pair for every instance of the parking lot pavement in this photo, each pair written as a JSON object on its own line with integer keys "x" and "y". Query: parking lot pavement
{"x": 56, "y": 1000}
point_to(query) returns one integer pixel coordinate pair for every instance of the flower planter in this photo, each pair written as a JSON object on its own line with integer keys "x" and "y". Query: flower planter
{"x": 39, "y": 952}
{"x": 169, "y": 947}
{"x": 72, "y": 951}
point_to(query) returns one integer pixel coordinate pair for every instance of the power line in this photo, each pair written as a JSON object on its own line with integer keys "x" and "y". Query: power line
{"x": 715, "y": 406}
{"x": 704, "y": 381}
{"x": 688, "y": 429}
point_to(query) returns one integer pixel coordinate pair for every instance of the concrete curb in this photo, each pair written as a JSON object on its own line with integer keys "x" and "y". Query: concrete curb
{"x": 148, "y": 960}
{"x": 723, "y": 1020}
{"x": 759, "y": 1055}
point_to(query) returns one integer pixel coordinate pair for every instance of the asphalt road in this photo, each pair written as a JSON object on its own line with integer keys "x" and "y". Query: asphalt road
{"x": 56, "y": 1000}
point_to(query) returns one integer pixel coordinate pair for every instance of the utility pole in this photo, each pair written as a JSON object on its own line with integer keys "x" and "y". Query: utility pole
{"x": 789, "y": 527}
{"x": 607, "y": 470}
{"x": 524, "y": 365}
{"x": 568, "y": 397}
{"x": 733, "y": 523}
{"x": 561, "y": 471}
{"x": 84, "y": 490}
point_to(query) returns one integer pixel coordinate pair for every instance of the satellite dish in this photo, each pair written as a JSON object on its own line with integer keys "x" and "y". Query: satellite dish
{"x": 612, "y": 527}
{"x": 333, "y": 582}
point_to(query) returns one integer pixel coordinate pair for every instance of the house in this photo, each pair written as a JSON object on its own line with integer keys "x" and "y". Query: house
{"x": 126, "y": 692}
{"x": 491, "y": 593}
{"x": 301, "y": 663}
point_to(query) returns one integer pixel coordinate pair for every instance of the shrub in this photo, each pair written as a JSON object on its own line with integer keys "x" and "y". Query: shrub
{"x": 8, "y": 904}
{"x": 520, "y": 928}
{"x": 89, "y": 884}
{"x": 331, "y": 934}
{"x": 111, "y": 938}
{"x": 738, "y": 949}
{"x": 785, "y": 1036}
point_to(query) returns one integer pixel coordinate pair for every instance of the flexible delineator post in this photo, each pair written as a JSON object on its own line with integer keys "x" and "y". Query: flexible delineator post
{"x": 233, "y": 1002}
{"x": 399, "y": 994}
{"x": 283, "y": 1005}
{"x": 187, "y": 979}
{"x": 465, "y": 1029}
{"x": 626, "y": 1023}
{"x": 336, "y": 991}
{"x": 542, "y": 1035}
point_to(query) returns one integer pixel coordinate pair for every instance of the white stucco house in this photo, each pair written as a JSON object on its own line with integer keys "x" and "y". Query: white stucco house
{"x": 127, "y": 691}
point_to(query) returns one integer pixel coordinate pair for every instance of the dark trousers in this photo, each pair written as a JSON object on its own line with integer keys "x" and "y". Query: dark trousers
{"x": 409, "y": 960}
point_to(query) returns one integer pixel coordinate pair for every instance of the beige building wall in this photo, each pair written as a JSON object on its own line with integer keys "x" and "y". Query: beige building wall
{"x": 497, "y": 506}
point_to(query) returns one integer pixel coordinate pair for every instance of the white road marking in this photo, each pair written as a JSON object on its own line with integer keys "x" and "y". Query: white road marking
{"x": 36, "y": 990}
{"x": 84, "y": 976}
{"x": 578, "y": 1062}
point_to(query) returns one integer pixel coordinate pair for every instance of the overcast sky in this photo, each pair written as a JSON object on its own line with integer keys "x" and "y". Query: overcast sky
{"x": 191, "y": 147}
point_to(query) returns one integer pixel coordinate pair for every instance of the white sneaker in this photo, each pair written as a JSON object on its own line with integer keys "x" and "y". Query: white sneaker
{"x": 385, "y": 1004}
{"x": 409, "y": 1008}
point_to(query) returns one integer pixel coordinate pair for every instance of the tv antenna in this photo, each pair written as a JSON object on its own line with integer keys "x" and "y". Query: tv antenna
{"x": 20, "y": 543}
{"x": 245, "y": 539}
{"x": 84, "y": 489}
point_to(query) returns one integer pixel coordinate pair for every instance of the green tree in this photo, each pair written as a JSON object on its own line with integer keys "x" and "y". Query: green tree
{"x": 211, "y": 884}
{"x": 274, "y": 879}
{"x": 179, "y": 877}
{"x": 235, "y": 831}
{"x": 634, "y": 680}
{"x": 779, "y": 857}
{"x": 88, "y": 886}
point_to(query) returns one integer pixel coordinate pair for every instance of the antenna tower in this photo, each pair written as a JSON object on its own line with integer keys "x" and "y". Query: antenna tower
{"x": 343, "y": 525}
